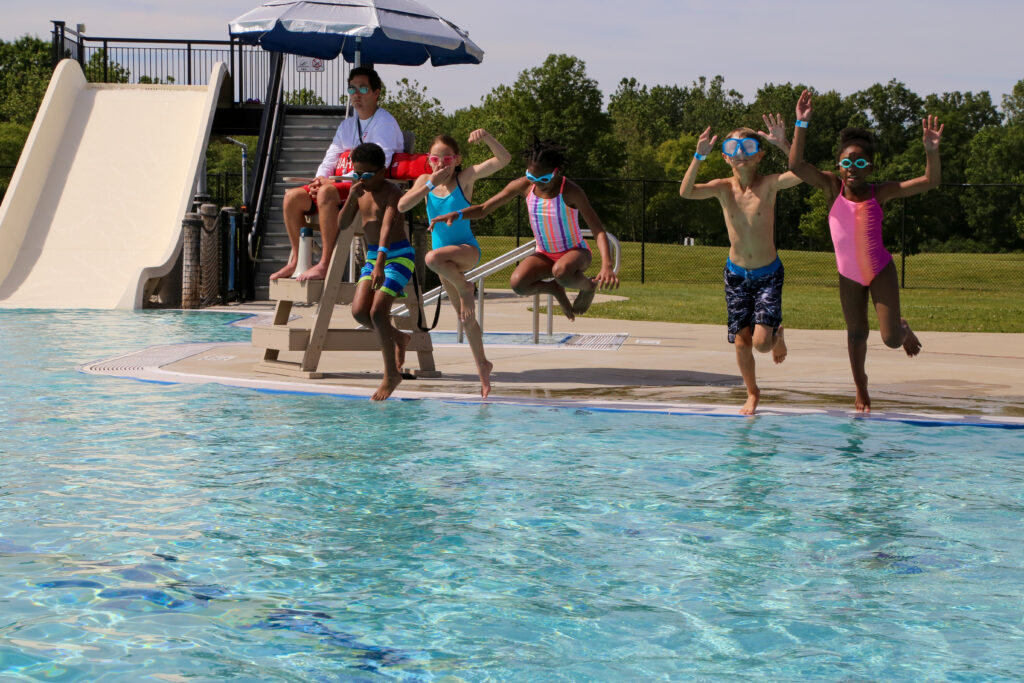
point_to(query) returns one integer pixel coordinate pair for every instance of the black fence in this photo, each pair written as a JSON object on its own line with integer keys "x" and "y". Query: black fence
{"x": 687, "y": 242}
{"x": 307, "y": 81}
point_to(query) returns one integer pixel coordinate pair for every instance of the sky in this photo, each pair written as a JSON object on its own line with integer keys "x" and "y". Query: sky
{"x": 932, "y": 47}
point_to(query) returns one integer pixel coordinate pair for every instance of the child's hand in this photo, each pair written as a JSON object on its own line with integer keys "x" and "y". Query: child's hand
{"x": 706, "y": 142}
{"x": 478, "y": 135}
{"x": 803, "y": 106}
{"x": 377, "y": 276}
{"x": 447, "y": 218}
{"x": 606, "y": 279}
{"x": 776, "y": 130}
{"x": 442, "y": 175}
{"x": 357, "y": 189}
{"x": 932, "y": 132}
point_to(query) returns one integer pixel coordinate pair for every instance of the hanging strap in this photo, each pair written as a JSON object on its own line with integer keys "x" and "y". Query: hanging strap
{"x": 419, "y": 307}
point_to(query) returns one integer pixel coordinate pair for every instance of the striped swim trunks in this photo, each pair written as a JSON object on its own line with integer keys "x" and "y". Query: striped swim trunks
{"x": 398, "y": 267}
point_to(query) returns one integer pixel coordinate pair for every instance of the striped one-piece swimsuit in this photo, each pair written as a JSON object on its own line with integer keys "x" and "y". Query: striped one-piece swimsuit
{"x": 555, "y": 224}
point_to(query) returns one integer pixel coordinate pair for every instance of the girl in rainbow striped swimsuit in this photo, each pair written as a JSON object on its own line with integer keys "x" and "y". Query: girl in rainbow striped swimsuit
{"x": 855, "y": 220}
{"x": 554, "y": 204}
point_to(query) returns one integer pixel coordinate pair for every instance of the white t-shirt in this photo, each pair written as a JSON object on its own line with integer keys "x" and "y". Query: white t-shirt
{"x": 381, "y": 128}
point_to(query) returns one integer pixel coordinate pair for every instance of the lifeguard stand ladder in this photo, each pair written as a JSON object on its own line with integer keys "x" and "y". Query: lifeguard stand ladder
{"x": 312, "y": 342}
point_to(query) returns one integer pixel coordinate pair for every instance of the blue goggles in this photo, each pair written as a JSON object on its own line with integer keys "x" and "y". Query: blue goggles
{"x": 362, "y": 90}
{"x": 850, "y": 163}
{"x": 541, "y": 179}
{"x": 362, "y": 176}
{"x": 733, "y": 146}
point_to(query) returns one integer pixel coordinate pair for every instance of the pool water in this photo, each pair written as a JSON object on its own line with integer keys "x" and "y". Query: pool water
{"x": 211, "y": 533}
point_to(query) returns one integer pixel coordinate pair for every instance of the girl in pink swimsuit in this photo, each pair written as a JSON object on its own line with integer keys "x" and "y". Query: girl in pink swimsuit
{"x": 855, "y": 220}
{"x": 554, "y": 204}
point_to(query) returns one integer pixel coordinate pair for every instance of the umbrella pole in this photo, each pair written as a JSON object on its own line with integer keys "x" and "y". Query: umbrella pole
{"x": 358, "y": 56}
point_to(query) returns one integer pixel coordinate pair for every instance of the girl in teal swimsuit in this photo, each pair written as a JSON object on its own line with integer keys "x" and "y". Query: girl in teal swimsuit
{"x": 454, "y": 249}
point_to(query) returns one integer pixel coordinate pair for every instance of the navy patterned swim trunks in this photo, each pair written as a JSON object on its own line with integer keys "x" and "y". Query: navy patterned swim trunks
{"x": 753, "y": 297}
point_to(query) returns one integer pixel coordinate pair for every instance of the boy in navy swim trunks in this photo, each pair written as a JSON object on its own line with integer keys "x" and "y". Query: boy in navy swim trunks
{"x": 390, "y": 258}
{"x": 753, "y": 272}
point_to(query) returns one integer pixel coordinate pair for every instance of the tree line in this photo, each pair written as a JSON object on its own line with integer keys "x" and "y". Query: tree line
{"x": 650, "y": 132}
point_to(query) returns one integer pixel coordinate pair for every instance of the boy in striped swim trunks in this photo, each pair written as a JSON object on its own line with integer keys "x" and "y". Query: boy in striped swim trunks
{"x": 753, "y": 272}
{"x": 390, "y": 258}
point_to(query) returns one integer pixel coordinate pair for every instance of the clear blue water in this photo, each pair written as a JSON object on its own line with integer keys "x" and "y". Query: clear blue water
{"x": 152, "y": 532}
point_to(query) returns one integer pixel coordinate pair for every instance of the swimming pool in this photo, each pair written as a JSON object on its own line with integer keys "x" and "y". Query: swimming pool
{"x": 222, "y": 533}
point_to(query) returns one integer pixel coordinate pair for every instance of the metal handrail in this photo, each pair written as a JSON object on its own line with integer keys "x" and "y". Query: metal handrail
{"x": 266, "y": 159}
{"x": 478, "y": 274}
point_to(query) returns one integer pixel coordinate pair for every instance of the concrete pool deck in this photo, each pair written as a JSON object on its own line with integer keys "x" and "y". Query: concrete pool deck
{"x": 657, "y": 364}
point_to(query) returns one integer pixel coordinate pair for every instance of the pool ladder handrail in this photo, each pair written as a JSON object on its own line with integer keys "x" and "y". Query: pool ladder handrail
{"x": 477, "y": 275}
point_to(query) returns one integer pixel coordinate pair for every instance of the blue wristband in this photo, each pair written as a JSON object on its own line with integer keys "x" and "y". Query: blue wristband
{"x": 460, "y": 215}
{"x": 802, "y": 124}
{"x": 430, "y": 185}
{"x": 382, "y": 250}
{"x": 700, "y": 157}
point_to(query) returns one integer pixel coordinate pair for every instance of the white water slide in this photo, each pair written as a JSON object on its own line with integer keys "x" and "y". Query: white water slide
{"x": 93, "y": 214}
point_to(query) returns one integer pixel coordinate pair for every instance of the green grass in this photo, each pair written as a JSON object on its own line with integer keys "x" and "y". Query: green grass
{"x": 945, "y": 292}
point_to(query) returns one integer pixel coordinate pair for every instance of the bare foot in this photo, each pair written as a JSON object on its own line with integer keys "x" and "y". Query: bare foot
{"x": 752, "y": 400}
{"x": 317, "y": 272}
{"x": 401, "y": 344}
{"x": 387, "y": 386}
{"x": 911, "y": 344}
{"x": 584, "y": 299}
{"x": 563, "y": 301}
{"x": 485, "y": 377}
{"x": 863, "y": 402}
{"x": 468, "y": 303}
{"x": 779, "y": 350}
{"x": 287, "y": 271}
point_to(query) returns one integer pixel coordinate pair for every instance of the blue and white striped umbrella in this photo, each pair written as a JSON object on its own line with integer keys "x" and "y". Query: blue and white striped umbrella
{"x": 374, "y": 31}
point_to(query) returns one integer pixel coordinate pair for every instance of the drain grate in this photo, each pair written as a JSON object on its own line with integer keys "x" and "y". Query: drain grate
{"x": 596, "y": 342}
{"x": 139, "y": 361}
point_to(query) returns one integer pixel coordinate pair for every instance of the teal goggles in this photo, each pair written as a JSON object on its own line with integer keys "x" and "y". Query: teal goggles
{"x": 362, "y": 90}
{"x": 541, "y": 179}
{"x": 747, "y": 146}
{"x": 362, "y": 176}
{"x": 850, "y": 163}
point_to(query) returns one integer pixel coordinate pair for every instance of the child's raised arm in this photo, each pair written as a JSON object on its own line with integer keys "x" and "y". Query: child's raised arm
{"x": 932, "y": 169}
{"x": 689, "y": 189}
{"x": 806, "y": 171}
{"x": 776, "y": 135}
{"x": 490, "y": 166}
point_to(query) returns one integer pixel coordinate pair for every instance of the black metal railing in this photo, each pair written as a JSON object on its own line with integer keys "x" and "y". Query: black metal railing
{"x": 189, "y": 62}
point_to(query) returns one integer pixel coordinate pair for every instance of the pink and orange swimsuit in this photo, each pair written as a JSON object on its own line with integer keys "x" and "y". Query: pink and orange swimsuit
{"x": 857, "y": 238}
{"x": 555, "y": 225}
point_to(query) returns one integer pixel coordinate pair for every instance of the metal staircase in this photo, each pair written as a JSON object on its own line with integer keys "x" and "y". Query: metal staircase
{"x": 304, "y": 141}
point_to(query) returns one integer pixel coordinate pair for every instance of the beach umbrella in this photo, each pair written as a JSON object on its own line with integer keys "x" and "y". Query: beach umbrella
{"x": 374, "y": 31}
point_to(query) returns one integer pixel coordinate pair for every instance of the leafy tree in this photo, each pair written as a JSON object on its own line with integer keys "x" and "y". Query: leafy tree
{"x": 25, "y": 68}
{"x": 12, "y": 139}
{"x": 155, "y": 80}
{"x": 556, "y": 100}
{"x": 303, "y": 97}
{"x": 1013, "y": 104}
{"x": 112, "y": 72}
{"x": 996, "y": 214}
{"x": 894, "y": 114}
{"x": 416, "y": 111}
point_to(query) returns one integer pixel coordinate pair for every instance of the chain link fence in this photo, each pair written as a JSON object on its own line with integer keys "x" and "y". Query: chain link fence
{"x": 685, "y": 241}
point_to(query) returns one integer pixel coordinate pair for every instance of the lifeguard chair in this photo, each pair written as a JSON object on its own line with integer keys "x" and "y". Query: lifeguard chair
{"x": 313, "y": 341}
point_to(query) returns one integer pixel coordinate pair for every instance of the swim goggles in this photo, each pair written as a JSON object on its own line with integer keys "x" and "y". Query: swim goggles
{"x": 362, "y": 90}
{"x": 446, "y": 159}
{"x": 733, "y": 146}
{"x": 541, "y": 179}
{"x": 850, "y": 163}
{"x": 362, "y": 176}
